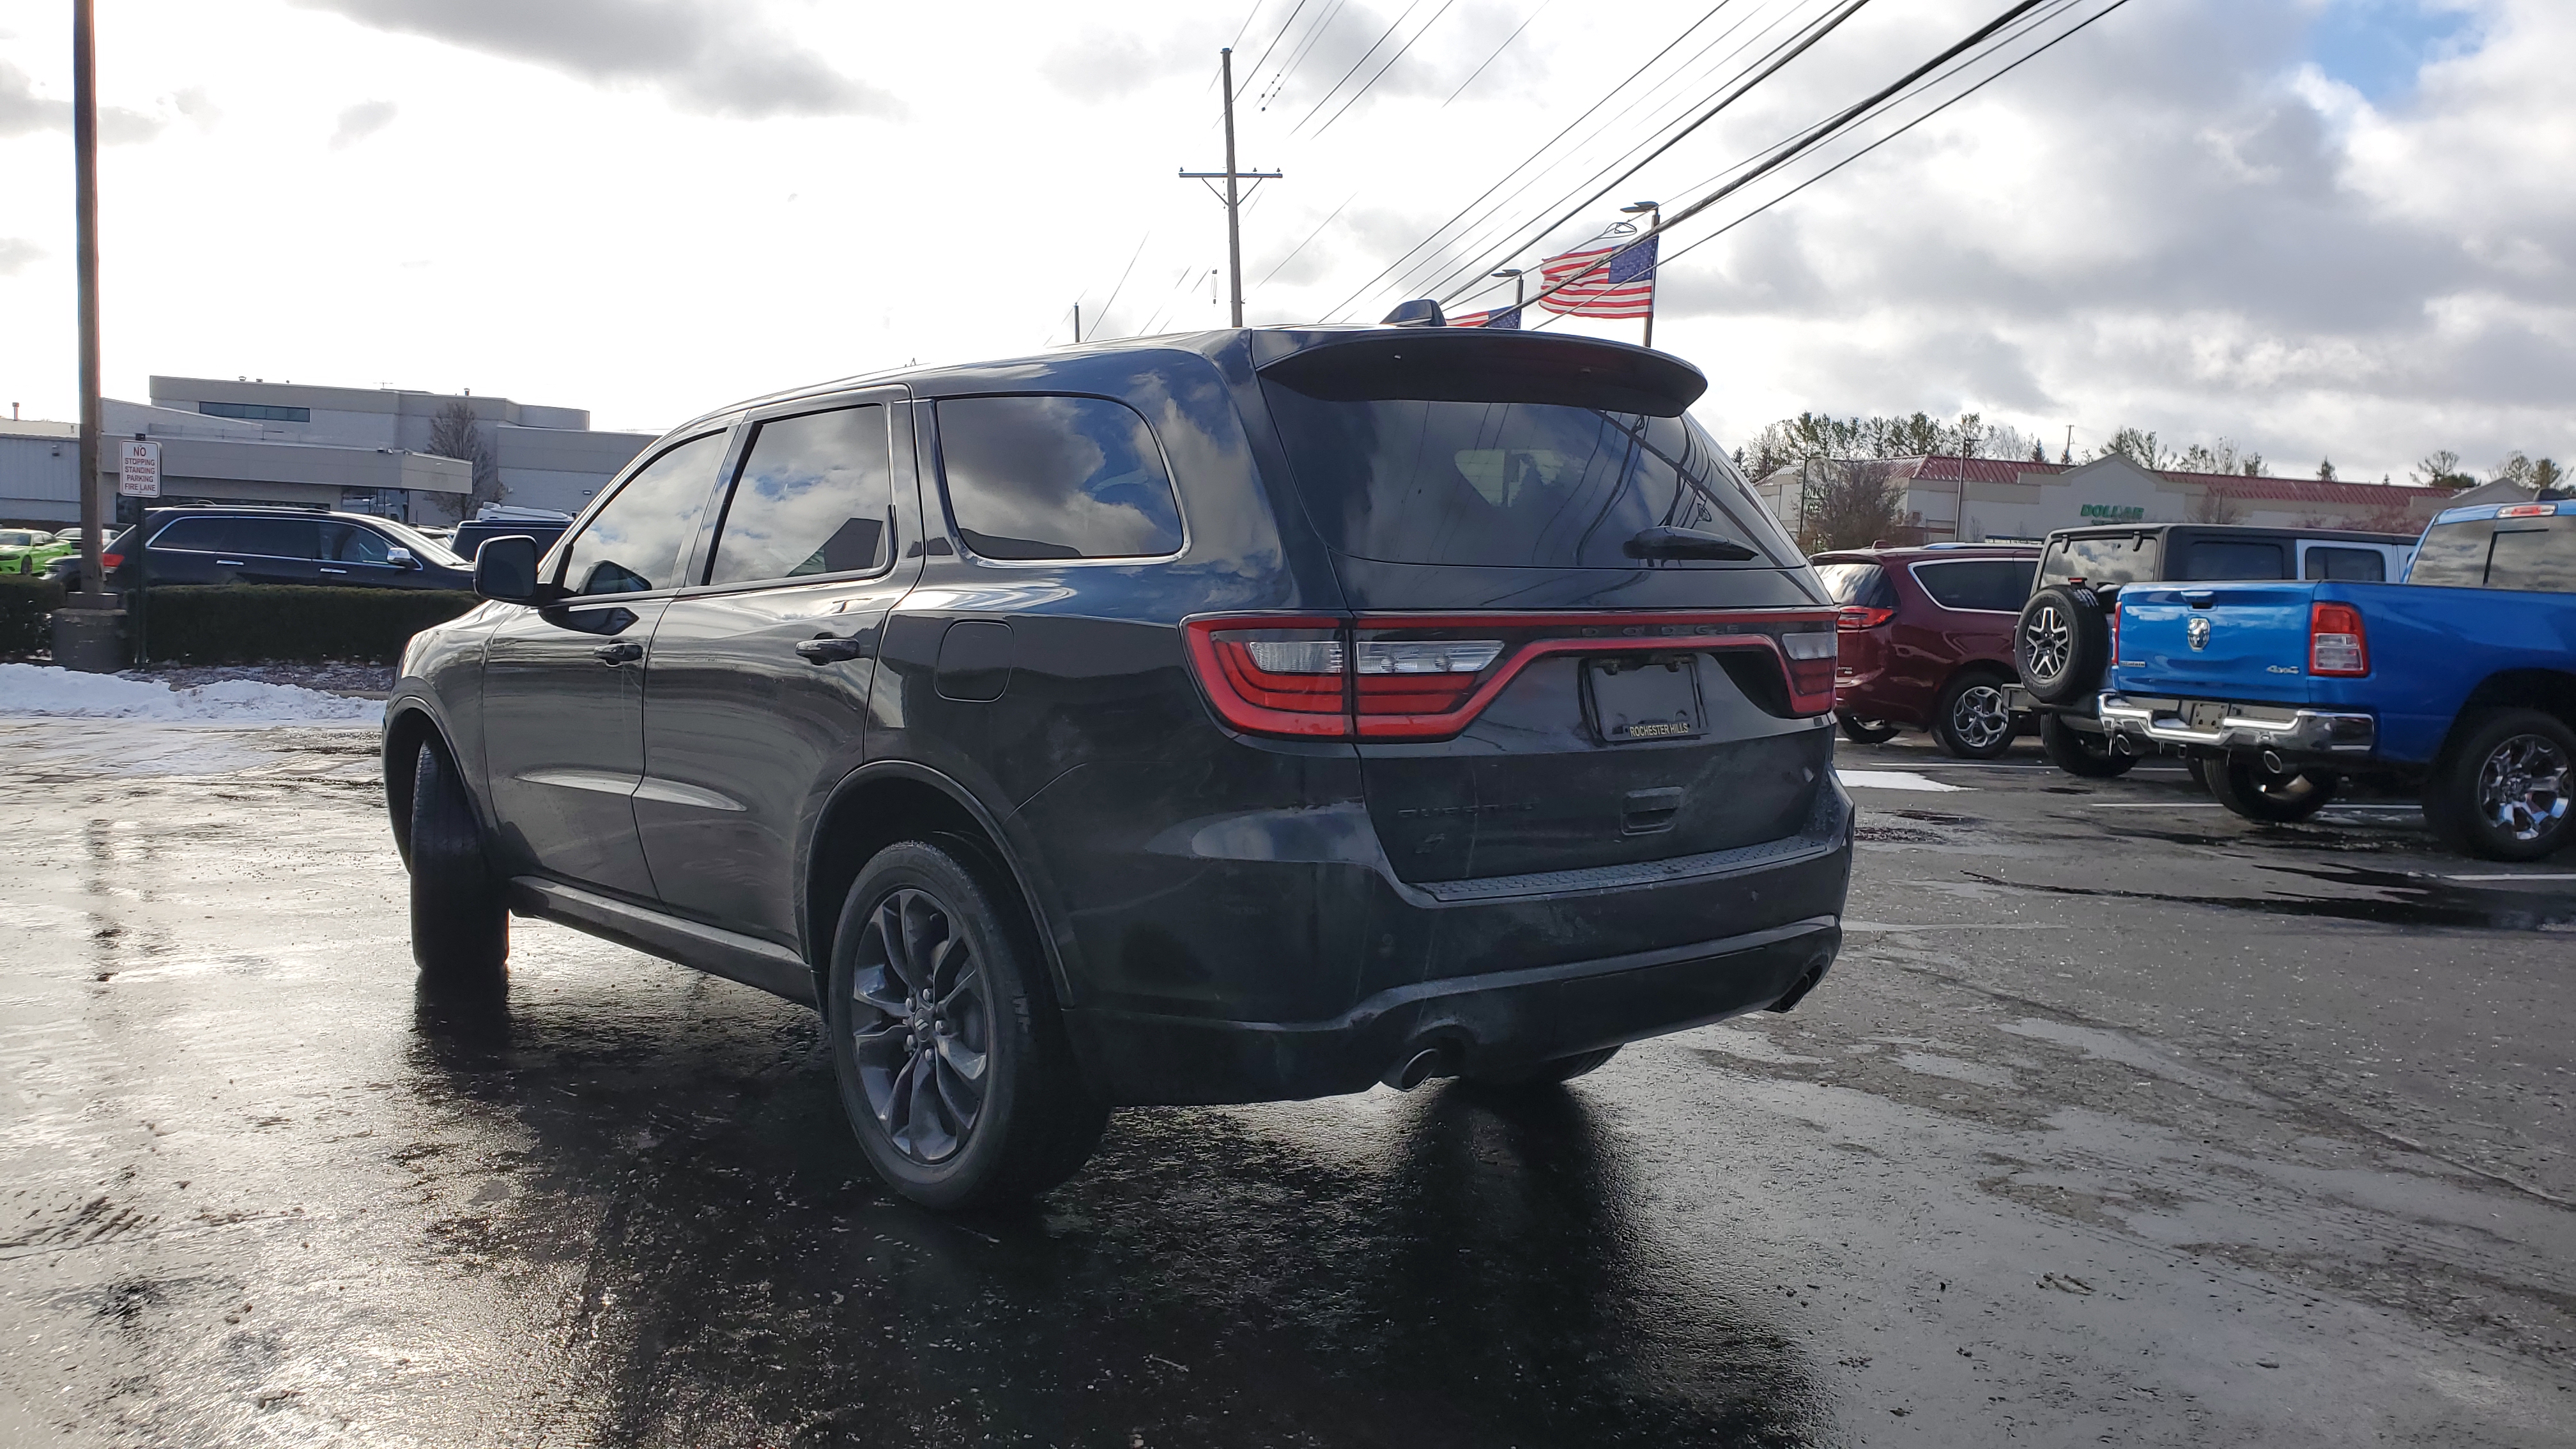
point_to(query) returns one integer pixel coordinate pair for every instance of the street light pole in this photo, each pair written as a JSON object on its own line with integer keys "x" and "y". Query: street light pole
{"x": 85, "y": 205}
{"x": 1233, "y": 197}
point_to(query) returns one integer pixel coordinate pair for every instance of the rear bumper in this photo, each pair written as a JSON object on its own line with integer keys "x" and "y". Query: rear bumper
{"x": 2301, "y": 734}
{"x": 1477, "y": 1023}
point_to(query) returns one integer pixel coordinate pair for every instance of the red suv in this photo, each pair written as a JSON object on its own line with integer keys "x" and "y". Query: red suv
{"x": 1926, "y": 640}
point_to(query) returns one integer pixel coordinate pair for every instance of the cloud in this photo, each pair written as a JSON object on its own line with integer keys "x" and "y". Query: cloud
{"x": 16, "y": 253}
{"x": 706, "y": 55}
{"x": 23, "y": 111}
{"x": 1105, "y": 65}
{"x": 362, "y": 120}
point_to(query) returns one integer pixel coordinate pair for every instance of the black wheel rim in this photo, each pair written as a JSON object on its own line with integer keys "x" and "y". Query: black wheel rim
{"x": 2523, "y": 787}
{"x": 920, "y": 1026}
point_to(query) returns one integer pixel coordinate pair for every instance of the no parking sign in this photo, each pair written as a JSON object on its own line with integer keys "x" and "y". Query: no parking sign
{"x": 138, "y": 469}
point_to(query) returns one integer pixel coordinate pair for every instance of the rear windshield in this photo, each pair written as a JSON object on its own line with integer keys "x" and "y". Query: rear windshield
{"x": 1864, "y": 584}
{"x": 1995, "y": 585}
{"x": 2359, "y": 565}
{"x": 2535, "y": 555}
{"x": 2120, "y": 559}
{"x": 1514, "y": 485}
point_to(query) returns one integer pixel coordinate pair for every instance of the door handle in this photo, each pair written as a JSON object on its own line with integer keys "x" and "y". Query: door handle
{"x": 613, "y": 655}
{"x": 828, "y": 650}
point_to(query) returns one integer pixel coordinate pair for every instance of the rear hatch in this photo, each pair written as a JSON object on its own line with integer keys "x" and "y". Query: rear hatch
{"x": 2238, "y": 641}
{"x": 1580, "y": 640}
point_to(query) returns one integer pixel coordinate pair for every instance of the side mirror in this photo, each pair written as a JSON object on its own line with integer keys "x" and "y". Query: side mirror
{"x": 505, "y": 570}
{"x": 401, "y": 558}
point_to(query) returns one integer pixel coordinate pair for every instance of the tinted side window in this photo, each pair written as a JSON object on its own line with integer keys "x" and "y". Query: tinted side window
{"x": 2360, "y": 565}
{"x": 2235, "y": 558}
{"x": 638, "y": 540}
{"x": 265, "y": 537}
{"x": 350, "y": 543}
{"x": 196, "y": 535}
{"x": 1056, "y": 477}
{"x": 1998, "y": 584}
{"x": 2539, "y": 559}
{"x": 812, "y": 499}
{"x": 2124, "y": 559}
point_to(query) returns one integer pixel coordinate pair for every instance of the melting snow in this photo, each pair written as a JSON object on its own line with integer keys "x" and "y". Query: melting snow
{"x": 42, "y": 689}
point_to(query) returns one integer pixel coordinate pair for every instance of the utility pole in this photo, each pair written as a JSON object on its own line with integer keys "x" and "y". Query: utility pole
{"x": 85, "y": 204}
{"x": 1233, "y": 197}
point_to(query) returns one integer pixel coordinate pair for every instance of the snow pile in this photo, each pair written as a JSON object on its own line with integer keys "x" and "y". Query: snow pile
{"x": 41, "y": 689}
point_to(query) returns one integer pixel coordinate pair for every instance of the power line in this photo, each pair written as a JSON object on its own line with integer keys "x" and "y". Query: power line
{"x": 1122, "y": 286}
{"x": 1310, "y": 236}
{"x": 1498, "y": 53}
{"x": 1355, "y": 65}
{"x": 1284, "y": 27}
{"x": 1306, "y": 47}
{"x": 1390, "y": 65}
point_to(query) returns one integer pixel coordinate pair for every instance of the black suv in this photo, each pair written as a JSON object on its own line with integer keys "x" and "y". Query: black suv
{"x": 2062, "y": 642}
{"x": 219, "y": 544}
{"x": 1245, "y": 716}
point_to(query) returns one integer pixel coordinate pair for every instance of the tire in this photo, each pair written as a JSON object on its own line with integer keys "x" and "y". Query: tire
{"x": 2500, "y": 791}
{"x": 1545, "y": 1074}
{"x": 2081, "y": 752}
{"x": 1864, "y": 731}
{"x": 2274, "y": 799}
{"x": 2061, "y": 644}
{"x": 460, "y": 926}
{"x": 1972, "y": 721}
{"x": 932, "y": 944}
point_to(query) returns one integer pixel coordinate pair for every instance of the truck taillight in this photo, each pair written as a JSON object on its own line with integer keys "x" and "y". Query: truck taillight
{"x": 2336, "y": 643}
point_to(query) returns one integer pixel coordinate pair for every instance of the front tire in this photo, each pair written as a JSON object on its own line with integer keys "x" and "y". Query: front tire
{"x": 460, "y": 926}
{"x": 952, "y": 1060}
{"x": 2274, "y": 798}
{"x": 2081, "y": 752}
{"x": 1973, "y": 721}
{"x": 2501, "y": 792}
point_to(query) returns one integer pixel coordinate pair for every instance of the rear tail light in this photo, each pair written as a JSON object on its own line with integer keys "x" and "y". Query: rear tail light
{"x": 2115, "y": 633}
{"x": 111, "y": 560}
{"x": 1861, "y": 616}
{"x": 1378, "y": 676}
{"x": 2336, "y": 644}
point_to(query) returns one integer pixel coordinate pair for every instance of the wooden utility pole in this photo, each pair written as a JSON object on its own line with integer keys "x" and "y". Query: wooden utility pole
{"x": 1232, "y": 196}
{"x": 85, "y": 203}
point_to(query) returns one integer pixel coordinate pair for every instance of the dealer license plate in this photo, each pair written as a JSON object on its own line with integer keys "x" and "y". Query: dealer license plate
{"x": 1644, "y": 698}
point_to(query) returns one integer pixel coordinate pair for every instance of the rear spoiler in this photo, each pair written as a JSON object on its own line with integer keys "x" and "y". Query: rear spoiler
{"x": 1476, "y": 365}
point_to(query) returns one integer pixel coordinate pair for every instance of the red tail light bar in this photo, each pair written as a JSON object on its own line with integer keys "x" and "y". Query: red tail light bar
{"x": 1427, "y": 676}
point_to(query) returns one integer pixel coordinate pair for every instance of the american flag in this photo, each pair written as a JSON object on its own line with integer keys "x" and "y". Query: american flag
{"x": 1498, "y": 318}
{"x": 1624, "y": 288}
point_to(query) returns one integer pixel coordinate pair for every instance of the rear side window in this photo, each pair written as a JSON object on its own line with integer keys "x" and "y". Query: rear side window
{"x": 2535, "y": 555}
{"x": 264, "y": 537}
{"x": 1864, "y": 584}
{"x": 349, "y": 543}
{"x": 1512, "y": 485}
{"x": 1056, "y": 477}
{"x": 2122, "y": 559}
{"x": 2234, "y": 558}
{"x": 638, "y": 541}
{"x": 1997, "y": 585}
{"x": 813, "y": 498}
{"x": 2355, "y": 565}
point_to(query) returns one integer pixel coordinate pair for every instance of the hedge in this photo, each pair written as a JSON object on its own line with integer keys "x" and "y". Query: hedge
{"x": 261, "y": 623}
{"x": 27, "y": 614}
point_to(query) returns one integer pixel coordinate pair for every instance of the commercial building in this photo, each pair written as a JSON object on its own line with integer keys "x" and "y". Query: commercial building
{"x": 1976, "y": 499}
{"x": 361, "y": 450}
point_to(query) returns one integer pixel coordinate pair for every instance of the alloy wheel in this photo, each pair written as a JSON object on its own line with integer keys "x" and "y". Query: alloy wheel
{"x": 2522, "y": 787}
{"x": 921, "y": 1025}
{"x": 1979, "y": 717}
{"x": 2048, "y": 642}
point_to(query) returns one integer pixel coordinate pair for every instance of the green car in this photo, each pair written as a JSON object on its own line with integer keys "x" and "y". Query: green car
{"x": 27, "y": 550}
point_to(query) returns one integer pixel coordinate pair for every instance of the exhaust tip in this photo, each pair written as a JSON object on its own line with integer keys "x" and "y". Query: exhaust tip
{"x": 2273, "y": 763}
{"x": 1415, "y": 1070}
{"x": 2122, "y": 745}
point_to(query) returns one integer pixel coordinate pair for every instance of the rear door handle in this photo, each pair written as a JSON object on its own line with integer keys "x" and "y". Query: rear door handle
{"x": 616, "y": 654}
{"x": 828, "y": 650}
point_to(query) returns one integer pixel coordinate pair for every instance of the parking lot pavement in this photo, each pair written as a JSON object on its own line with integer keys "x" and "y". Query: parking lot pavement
{"x": 2119, "y": 1120}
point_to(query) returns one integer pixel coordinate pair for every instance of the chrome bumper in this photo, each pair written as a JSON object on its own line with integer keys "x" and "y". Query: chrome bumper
{"x": 2292, "y": 731}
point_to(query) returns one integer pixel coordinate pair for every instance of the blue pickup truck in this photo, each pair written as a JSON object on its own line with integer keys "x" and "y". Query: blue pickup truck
{"x": 2459, "y": 682}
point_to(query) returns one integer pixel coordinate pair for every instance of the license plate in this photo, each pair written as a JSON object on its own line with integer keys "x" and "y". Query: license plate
{"x": 2206, "y": 715}
{"x": 1643, "y": 699}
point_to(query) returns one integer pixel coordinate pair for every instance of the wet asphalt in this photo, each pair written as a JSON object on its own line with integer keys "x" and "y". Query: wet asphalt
{"x": 2119, "y": 1121}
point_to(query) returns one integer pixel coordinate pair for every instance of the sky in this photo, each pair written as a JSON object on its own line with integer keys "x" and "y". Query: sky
{"x": 2316, "y": 228}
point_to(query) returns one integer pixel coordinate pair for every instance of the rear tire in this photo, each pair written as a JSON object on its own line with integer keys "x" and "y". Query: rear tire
{"x": 951, "y": 1056}
{"x": 1864, "y": 731}
{"x": 2501, "y": 791}
{"x": 2274, "y": 799}
{"x": 1545, "y": 1074}
{"x": 1972, "y": 720}
{"x": 2061, "y": 644}
{"x": 2081, "y": 752}
{"x": 460, "y": 926}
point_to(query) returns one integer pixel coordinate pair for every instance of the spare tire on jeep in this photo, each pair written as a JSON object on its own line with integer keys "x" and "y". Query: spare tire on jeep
{"x": 2061, "y": 643}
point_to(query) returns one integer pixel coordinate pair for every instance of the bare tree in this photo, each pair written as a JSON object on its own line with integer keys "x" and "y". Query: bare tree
{"x": 2139, "y": 447}
{"x": 2213, "y": 506}
{"x": 2222, "y": 456}
{"x": 1847, "y": 504}
{"x": 2441, "y": 469}
{"x": 455, "y": 433}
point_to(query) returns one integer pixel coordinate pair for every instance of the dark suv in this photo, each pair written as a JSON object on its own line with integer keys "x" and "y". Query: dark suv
{"x": 1244, "y": 716}
{"x": 221, "y": 544}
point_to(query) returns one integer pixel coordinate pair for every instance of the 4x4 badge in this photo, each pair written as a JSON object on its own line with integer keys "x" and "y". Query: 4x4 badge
{"x": 2198, "y": 632}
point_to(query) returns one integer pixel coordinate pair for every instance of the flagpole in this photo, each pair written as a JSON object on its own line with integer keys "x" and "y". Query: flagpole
{"x": 1654, "y": 221}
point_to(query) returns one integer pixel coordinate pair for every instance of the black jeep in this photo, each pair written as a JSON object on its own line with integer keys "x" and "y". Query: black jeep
{"x": 1251, "y": 715}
